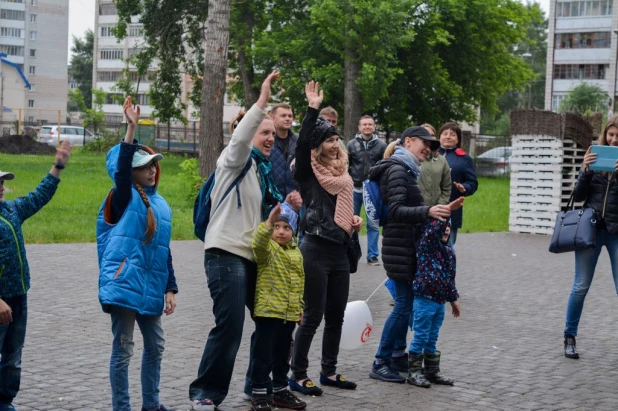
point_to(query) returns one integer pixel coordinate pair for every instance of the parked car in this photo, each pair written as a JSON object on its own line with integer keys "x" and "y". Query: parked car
{"x": 494, "y": 162}
{"x": 75, "y": 135}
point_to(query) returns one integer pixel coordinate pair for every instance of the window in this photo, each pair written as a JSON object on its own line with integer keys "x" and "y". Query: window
{"x": 30, "y": 119}
{"x": 30, "y": 103}
{"x": 12, "y": 14}
{"x": 33, "y": 2}
{"x": 584, "y": 8}
{"x": 11, "y": 32}
{"x": 32, "y": 69}
{"x": 13, "y": 1}
{"x": 107, "y": 9}
{"x": 32, "y": 88}
{"x": 32, "y": 53}
{"x": 601, "y": 39}
{"x": 556, "y": 100}
{"x": 33, "y": 18}
{"x": 113, "y": 98}
{"x": 106, "y": 31}
{"x": 108, "y": 76}
{"x": 143, "y": 99}
{"x": 580, "y": 71}
{"x": 136, "y": 30}
{"x": 12, "y": 50}
{"x": 112, "y": 54}
{"x": 33, "y": 35}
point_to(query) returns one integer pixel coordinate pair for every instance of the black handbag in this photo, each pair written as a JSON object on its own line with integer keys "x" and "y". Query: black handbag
{"x": 574, "y": 230}
{"x": 354, "y": 252}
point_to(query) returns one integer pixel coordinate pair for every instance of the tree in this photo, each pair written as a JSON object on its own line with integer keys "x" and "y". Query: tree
{"x": 92, "y": 116}
{"x": 584, "y": 99}
{"x": 81, "y": 64}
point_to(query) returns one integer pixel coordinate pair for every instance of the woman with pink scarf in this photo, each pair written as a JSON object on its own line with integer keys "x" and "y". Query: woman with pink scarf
{"x": 326, "y": 189}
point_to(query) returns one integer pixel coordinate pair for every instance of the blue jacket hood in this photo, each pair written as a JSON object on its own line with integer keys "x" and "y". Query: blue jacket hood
{"x": 111, "y": 162}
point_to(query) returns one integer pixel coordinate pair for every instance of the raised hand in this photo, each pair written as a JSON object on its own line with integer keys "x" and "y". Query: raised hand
{"x": 63, "y": 153}
{"x": 460, "y": 187}
{"x": 274, "y": 216}
{"x": 440, "y": 212}
{"x": 314, "y": 94}
{"x": 294, "y": 200}
{"x": 132, "y": 114}
{"x": 265, "y": 90}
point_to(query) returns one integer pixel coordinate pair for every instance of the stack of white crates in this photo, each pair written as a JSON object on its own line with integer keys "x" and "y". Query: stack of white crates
{"x": 543, "y": 170}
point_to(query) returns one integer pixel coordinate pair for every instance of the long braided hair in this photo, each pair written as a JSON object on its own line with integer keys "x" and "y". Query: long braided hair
{"x": 151, "y": 222}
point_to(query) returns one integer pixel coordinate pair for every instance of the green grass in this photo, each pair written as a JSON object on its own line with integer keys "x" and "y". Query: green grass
{"x": 488, "y": 209}
{"x": 71, "y": 215}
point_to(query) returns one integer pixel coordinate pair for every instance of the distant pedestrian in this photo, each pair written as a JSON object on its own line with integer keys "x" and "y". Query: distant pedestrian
{"x": 15, "y": 275}
{"x": 434, "y": 285}
{"x": 326, "y": 189}
{"x": 463, "y": 174}
{"x": 278, "y": 307}
{"x": 364, "y": 151}
{"x": 136, "y": 276}
{"x": 599, "y": 191}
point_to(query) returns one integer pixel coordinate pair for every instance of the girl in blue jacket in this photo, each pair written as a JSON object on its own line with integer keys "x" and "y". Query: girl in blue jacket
{"x": 136, "y": 279}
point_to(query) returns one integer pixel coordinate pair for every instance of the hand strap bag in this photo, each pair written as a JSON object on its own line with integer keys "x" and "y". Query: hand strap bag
{"x": 574, "y": 230}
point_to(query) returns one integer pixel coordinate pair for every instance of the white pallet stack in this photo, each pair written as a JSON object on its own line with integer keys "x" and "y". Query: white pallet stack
{"x": 543, "y": 172}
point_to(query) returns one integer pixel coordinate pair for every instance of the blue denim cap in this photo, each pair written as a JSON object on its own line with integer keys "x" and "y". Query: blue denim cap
{"x": 142, "y": 157}
{"x": 289, "y": 216}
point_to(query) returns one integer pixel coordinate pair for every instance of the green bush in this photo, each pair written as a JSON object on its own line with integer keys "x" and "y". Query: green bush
{"x": 191, "y": 173}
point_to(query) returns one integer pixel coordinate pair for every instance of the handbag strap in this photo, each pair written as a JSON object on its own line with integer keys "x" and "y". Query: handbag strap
{"x": 571, "y": 203}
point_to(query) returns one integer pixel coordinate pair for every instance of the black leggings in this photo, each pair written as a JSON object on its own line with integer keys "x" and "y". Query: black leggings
{"x": 327, "y": 283}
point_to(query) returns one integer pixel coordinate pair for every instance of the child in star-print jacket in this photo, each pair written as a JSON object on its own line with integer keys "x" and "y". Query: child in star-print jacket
{"x": 434, "y": 285}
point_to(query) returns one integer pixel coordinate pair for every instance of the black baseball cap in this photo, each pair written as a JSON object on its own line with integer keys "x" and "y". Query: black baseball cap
{"x": 420, "y": 132}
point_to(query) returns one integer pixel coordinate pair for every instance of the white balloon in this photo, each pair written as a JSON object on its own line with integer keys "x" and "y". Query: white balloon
{"x": 357, "y": 325}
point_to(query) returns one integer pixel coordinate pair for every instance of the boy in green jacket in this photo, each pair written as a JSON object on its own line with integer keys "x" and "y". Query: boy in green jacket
{"x": 278, "y": 306}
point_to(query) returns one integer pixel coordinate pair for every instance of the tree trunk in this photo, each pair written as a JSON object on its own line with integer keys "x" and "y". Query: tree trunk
{"x": 353, "y": 105}
{"x": 216, "y": 42}
{"x": 245, "y": 66}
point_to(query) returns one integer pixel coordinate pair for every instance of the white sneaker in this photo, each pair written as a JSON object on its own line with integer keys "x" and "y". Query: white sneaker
{"x": 202, "y": 405}
{"x": 246, "y": 397}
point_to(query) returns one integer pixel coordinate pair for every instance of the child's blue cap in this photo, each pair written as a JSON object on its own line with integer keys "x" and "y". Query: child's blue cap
{"x": 289, "y": 216}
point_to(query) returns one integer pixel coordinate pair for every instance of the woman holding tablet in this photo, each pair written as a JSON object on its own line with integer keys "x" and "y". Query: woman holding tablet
{"x": 599, "y": 191}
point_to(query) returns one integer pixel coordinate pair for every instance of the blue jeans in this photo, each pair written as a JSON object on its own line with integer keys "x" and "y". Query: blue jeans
{"x": 452, "y": 238}
{"x": 585, "y": 263}
{"x": 231, "y": 280}
{"x": 12, "y": 337}
{"x": 123, "y": 324}
{"x": 428, "y": 318}
{"x": 397, "y": 322}
{"x": 373, "y": 232}
{"x": 400, "y": 341}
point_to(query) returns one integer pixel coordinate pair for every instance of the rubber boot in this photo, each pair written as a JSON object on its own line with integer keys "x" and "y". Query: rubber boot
{"x": 415, "y": 375}
{"x": 432, "y": 369}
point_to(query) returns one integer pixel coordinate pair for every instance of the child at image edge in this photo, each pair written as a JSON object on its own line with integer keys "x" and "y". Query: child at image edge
{"x": 278, "y": 306}
{"x": 434, "y": 285}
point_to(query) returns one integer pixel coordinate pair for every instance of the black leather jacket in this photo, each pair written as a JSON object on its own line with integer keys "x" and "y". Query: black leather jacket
{"x": 363, "y": 155}
{"x": 599, "y": 190}
{"x": 320, "y": 216}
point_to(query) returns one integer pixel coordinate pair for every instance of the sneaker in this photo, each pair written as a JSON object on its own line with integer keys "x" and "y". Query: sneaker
{"x": 285, "y": 399}
{"x": 246, "y": 397}
{"x": 203, "y": 405}
{"x": 570, "y": 347}
{"x": 261, "y": 403}
{"x": 400, "y": 363}
{"x": 383, "y": 372}
{"x": 373, "y": 261}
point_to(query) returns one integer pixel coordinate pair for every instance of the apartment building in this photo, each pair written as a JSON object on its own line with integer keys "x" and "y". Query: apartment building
{"x": 582, "y": 45}
{"x": 34, "y": 34}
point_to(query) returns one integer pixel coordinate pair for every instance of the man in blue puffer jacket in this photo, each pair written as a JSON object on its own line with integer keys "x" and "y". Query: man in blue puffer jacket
{"x": 15, "y": 273}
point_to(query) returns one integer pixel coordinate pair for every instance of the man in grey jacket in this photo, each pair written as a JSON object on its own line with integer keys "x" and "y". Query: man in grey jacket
{"x": 364, "y": 151}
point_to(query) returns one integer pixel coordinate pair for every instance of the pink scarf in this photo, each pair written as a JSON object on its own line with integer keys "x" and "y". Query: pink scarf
{"x": 336, "y": 181}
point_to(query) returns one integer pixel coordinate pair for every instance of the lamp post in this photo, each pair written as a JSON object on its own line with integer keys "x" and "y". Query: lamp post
{"x": 528, "y": 55}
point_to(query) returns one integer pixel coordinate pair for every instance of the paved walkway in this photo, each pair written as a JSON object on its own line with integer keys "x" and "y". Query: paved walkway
{"x": 505, "y": 352}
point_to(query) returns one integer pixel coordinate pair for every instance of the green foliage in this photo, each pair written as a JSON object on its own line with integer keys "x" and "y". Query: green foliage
{"x": 81, "y": 65}
{"x": 495, "y": 126}
{"x": 93, "y": 117}
{"x": 191, "y": 175}
{"x": 585, "y": 99}
{"x": 488, "y": 209}
{"x": 103, "y": 143}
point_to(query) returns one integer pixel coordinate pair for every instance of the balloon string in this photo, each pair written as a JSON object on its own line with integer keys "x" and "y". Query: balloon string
{"x": 376, "y": 290}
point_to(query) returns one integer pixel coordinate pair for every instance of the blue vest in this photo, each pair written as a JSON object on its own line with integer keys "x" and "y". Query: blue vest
{"x": 134, "y": 275}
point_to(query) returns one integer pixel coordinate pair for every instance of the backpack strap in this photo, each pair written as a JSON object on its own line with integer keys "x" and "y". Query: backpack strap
{"x": 236, "y": 182}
